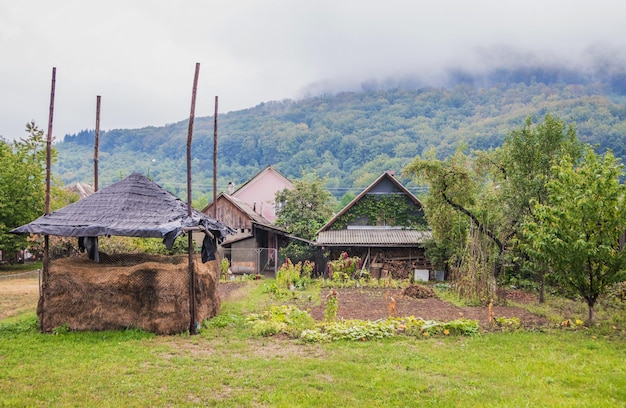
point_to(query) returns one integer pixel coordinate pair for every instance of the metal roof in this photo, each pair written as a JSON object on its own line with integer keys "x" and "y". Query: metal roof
{"x": 373, "y": 237}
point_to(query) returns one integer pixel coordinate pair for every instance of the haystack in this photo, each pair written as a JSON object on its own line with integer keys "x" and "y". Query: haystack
{"x": 140, "y": 291}
{"x": 146, "y": 292}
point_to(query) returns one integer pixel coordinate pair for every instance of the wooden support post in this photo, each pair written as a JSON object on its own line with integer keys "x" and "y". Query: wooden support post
{"x": 96, "y": 145}
{"x": 215, "y": 162}
{"x": 192, "y": 278}
{"x": 45, "y": 270}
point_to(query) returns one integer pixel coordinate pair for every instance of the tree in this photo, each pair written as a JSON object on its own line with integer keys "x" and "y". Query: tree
{"x": 462, "y": 209}
{"x": 522, "y": 167}
{"x": 577, "y": 232}
{"x": 22, "y": 192}
{"x": 306, "y": 208}
{"x": 476, "y": 203}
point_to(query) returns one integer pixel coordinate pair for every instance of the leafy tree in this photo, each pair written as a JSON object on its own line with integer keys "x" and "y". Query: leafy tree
{"x": 306, "y": 208}
{"x": 22, "y": 192}
{"x": 522, "y": 167}
{"x": 577, "y": 232}
{"x": 493, "y": 190}
{"x": 462, "y": 209}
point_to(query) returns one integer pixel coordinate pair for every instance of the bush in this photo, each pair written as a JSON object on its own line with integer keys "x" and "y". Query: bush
{"x": 298, "y": 276}
{"x": 345, "y": 268}
{"x": 285, "y": 319}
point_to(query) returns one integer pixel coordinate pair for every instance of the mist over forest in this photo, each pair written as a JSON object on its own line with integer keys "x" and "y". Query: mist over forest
{"x": 351, "y": 136}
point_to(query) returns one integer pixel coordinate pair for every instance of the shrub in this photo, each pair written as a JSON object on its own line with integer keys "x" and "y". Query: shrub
{"x": 345, "y": 268}
{"x": 284, "y": 319}
{"x": 298, "y": 276}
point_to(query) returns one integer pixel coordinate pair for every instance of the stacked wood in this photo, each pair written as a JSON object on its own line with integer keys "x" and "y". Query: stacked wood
{"x": 398, "y": 269}
{"x": 403, "y": 269}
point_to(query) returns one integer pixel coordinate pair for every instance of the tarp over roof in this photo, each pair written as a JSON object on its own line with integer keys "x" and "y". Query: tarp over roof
{"x": 133, "y": 207}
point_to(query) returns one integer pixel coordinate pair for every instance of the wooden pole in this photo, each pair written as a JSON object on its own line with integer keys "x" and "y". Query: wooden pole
{"x": 46, "y": 244}
{"x": 49, "y": 139}
{"x": 96, "y": 144}
{"x": 215, "y": 161}
{"x": 192, "y": 277}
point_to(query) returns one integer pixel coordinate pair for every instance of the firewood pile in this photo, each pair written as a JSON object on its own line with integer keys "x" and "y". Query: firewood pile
{"x": 402, "y": 269}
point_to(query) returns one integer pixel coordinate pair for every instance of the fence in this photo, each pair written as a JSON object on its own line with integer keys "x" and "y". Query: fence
{"x": 21, "y": 275}
{"x": 123, "y": 290}
{"x": 261, "y": 261}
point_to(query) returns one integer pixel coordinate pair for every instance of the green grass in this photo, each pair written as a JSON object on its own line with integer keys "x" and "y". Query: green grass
{"x": 227, "y": 366}
{"x": 15, "y": 268}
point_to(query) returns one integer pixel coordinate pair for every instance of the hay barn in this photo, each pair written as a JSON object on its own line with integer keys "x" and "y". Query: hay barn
{"x": 100, "y": 291}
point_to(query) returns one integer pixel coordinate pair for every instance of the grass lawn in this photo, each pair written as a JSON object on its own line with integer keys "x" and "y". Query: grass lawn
{"x": 227, "y": 366}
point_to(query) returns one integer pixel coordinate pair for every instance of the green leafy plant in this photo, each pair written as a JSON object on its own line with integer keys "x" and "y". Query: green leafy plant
{"x": 224, "y": 266}
{"x": 294, "y": 276}
{"x": 507, "y": 323}
{"x": 425, "y": 328}
{"x": 286, "y": 319}
{"x": 344, "y": 268}
{"x": 288, "y": 275}
{"x": 363, "y": 330}
{"x": 387, "y": 209}
{"x": 331, "y": 307}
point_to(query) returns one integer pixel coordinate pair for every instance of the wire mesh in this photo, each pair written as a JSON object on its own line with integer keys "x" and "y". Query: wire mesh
{"x": 125, "y": 289}
{"x": 262, "y": 261}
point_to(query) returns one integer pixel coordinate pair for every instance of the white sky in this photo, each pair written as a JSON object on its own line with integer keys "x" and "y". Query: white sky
{"x": 140, "y": 55}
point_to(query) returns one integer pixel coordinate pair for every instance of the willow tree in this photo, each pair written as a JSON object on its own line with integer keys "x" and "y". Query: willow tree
{"x": 577, "y": 232}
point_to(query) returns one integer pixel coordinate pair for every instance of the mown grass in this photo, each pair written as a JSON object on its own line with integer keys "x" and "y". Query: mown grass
{"x": 227, "y": 366}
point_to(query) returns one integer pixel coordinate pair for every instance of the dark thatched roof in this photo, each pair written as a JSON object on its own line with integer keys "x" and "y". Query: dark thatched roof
{"x": 134, "y": 207}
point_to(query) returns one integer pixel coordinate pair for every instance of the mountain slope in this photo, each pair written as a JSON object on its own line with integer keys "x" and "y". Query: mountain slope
{"x": 350, "y": 138}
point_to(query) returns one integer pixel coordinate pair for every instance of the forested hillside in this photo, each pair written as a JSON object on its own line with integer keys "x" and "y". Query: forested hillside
{"x": 350, "y": 138}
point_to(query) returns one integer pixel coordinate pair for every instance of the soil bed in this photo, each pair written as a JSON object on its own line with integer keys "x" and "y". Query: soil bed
{"x": 370, "y": 304}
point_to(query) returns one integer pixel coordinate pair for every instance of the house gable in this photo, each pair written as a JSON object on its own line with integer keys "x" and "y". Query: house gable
{"x": 385, "y": 203}
{"x": 260, "y": 191}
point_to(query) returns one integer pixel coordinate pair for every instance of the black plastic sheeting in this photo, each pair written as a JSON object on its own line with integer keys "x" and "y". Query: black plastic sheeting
{"x": 132, "y": 207}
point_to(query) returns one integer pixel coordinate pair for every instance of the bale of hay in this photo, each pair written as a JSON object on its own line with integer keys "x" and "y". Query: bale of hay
{"x": 418, "y": 292}
{"x": 150, "y": 292}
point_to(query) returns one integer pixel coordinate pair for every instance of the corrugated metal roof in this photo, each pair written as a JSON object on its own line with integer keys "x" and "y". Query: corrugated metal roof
{"x": 372, "y": 237}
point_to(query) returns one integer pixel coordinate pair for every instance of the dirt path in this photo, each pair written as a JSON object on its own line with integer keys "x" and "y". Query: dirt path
{"x": 18, "y": 295}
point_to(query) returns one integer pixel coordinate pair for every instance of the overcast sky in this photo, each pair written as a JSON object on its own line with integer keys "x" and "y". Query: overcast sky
{"x": 140, "y": 56}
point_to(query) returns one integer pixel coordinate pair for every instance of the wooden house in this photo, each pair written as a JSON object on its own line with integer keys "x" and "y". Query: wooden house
{"x": 385, "y": 226}
{"x": 251, "y": 211}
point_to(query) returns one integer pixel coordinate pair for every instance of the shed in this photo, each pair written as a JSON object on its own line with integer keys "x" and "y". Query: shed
{"x": 385, "y": 226}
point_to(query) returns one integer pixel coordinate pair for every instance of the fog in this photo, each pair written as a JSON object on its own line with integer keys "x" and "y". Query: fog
{"x": 140, "y": 55}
